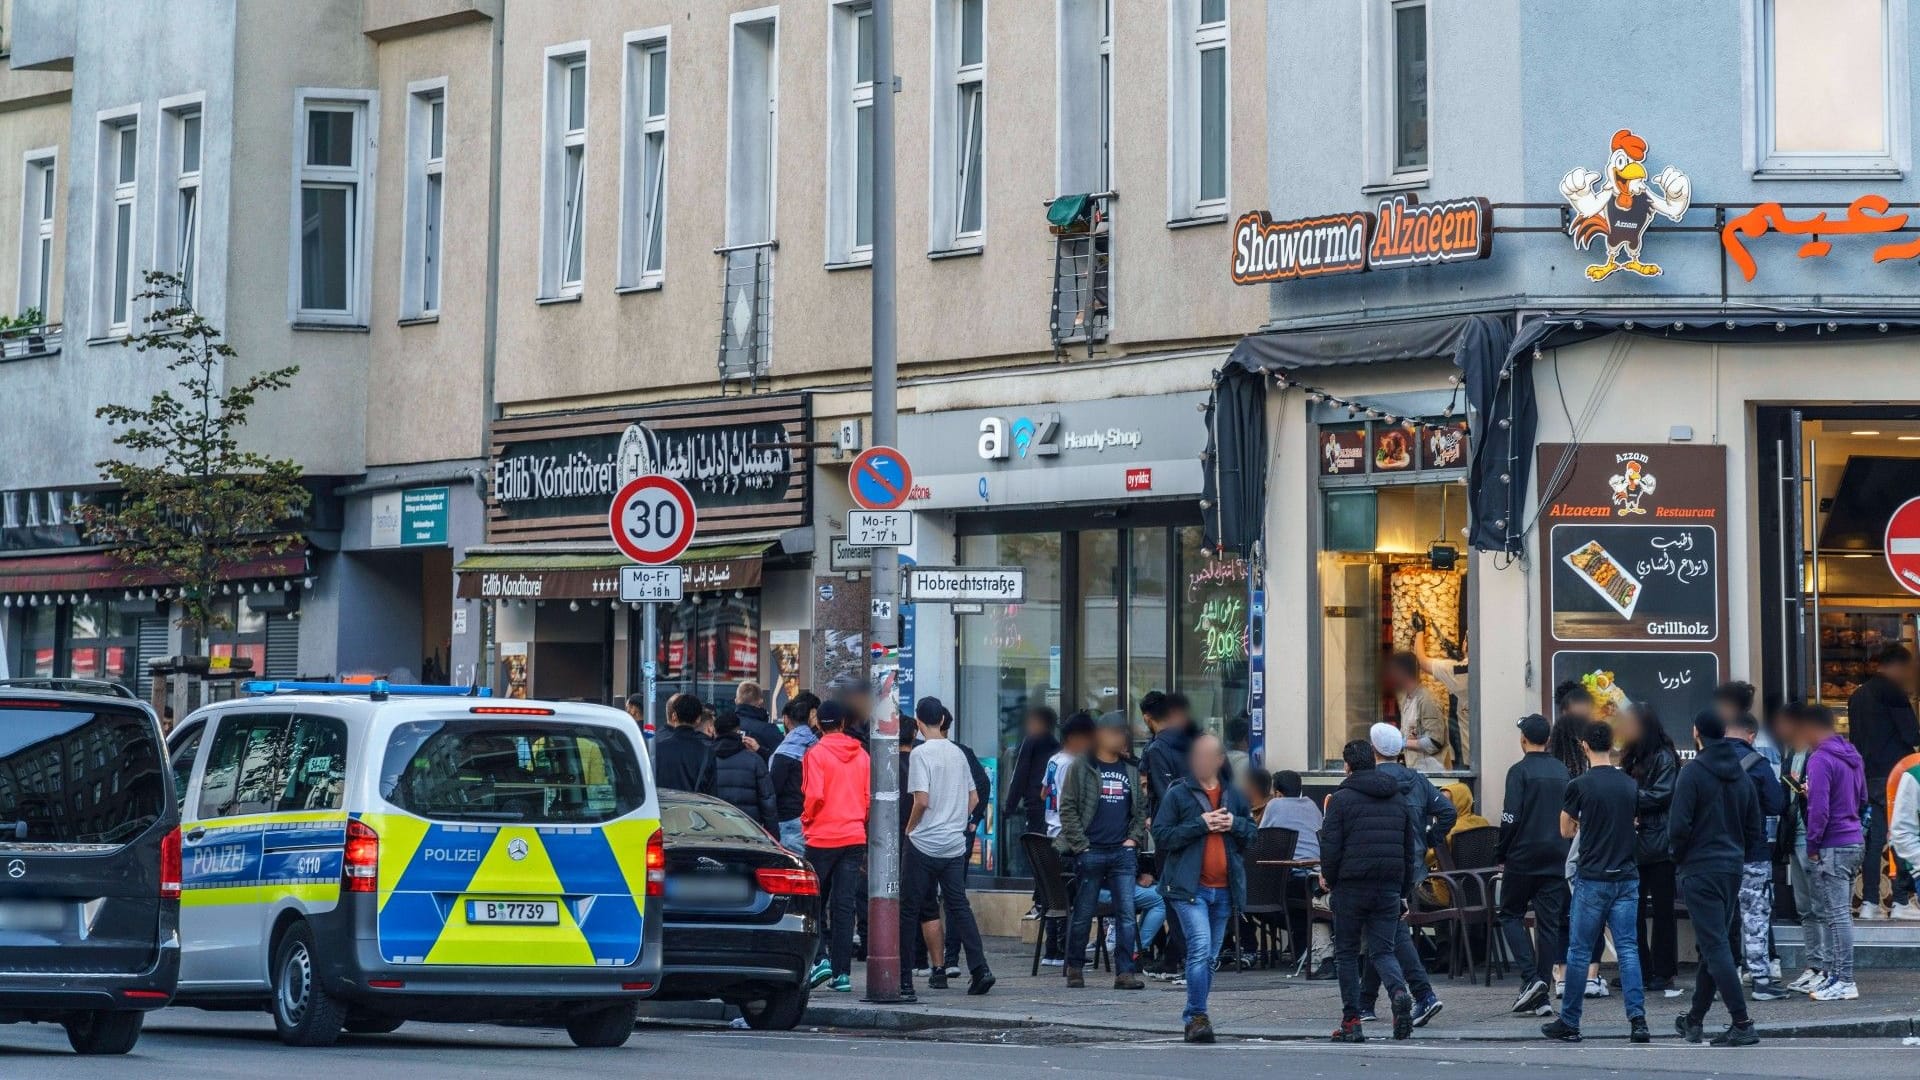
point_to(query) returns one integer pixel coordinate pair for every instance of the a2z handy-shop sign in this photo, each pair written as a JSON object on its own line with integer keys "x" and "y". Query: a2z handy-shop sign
{"x": 1401, "y": 232}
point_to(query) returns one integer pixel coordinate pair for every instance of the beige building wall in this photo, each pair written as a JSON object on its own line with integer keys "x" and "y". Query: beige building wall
{"x": 321, "y": 421}
{"x": 427, "y": 378}
{"x": 1170, "y": 285}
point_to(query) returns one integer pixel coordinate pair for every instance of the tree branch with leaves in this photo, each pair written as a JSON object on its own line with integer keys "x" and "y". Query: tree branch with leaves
{"x": 193, "y": 502}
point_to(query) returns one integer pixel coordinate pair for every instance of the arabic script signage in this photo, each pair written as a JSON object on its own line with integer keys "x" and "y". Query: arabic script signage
{"x": 1635, "y": 597}
{"x": 1865, "y": 216}
{"x": 743, "y": 459}
{"x": 1400, "y": 232}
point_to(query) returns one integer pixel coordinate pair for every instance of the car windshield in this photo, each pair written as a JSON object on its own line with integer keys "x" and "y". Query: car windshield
{"x": 78, "y": 775}
{"x": 520, "y": 771}
{"x": 695, "y": 821}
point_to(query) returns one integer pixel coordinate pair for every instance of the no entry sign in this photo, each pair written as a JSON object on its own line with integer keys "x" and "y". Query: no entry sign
{"x": 880, "y": 479}
{"x": 1903, "y": 545}
{"x": 652, "y": 519}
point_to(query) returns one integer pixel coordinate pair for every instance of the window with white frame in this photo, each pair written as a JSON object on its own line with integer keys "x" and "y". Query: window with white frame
{"x": 1197, "y": 128}
{"x": 117, "y": 217}
{"x": 959, "y": 124}
{"x": 643, "y": 167}
{"x": 36, "y": 235}
{"x": 177, "y": 233}
{"x": 563, "y": 221}
{"x": 1832, "y": 92}
{"x": 850, "y": 134}
{"x": 425, "y": 198}
{"x": 1396, "y": 93}
{"x": 335, "y": 155}
{"x": 1085, "y": 96}
{"x": 753, "y": 129}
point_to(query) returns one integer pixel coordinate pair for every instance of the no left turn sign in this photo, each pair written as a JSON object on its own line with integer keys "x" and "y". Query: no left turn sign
{"x": 652, "y": 519}
{"x": 1903, "y": 545}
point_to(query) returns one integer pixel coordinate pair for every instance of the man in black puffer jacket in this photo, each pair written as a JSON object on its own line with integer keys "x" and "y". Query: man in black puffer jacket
{"x": 1367, "y": 855}
{"x": 740, "y": 777}
{"x": 1714, "y": 820}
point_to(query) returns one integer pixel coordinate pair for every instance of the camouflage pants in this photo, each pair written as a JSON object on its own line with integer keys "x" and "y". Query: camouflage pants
{"x": 1756, "y": 915}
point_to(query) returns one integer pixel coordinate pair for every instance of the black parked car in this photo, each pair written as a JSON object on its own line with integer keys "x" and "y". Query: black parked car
{"x": 742, "y": 913}
{"x": 89, "y": 866}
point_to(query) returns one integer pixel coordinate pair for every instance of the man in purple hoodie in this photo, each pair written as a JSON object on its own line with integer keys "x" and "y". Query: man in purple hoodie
{"x": 1836, "y": 790}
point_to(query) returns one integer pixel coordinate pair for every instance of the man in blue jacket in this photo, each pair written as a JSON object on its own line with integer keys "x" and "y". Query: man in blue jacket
{"x": 1756, "y": 874}
{"x": 1202, "y": 830}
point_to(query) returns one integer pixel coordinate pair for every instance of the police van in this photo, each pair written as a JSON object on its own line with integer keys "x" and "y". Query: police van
{"x": 357, "y": 856}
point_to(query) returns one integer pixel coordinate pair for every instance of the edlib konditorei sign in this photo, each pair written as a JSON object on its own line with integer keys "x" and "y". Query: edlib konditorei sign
{"x": 1400, "y": 232}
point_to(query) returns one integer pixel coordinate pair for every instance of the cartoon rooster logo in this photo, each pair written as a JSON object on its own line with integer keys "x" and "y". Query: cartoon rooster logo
{"x": 1630, "y": 487}
{"x": 1617, "y": 208}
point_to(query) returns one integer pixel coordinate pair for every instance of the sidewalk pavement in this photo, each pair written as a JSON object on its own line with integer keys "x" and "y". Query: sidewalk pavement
{"x": 1270, "y": 1004}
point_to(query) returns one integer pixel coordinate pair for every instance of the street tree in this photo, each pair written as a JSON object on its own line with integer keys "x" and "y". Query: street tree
{"x": 193, "y": 501}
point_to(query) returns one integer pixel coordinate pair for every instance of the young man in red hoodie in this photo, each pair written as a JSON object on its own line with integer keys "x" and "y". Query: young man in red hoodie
{"x": 835, "y": 781}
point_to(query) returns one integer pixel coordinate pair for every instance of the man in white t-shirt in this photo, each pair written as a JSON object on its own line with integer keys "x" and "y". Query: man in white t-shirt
{"x": 935, "y": 855}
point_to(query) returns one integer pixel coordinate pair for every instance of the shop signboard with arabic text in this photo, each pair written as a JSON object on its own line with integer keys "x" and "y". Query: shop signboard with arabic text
{"x": 1634, "y": 603}
{"x": 744, "y": 460}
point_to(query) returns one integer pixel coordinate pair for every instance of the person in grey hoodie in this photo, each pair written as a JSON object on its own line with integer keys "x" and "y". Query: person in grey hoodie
{"x": 1836, "y": 790}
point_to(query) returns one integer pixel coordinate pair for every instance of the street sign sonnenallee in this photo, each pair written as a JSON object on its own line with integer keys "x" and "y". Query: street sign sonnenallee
{"x": 651, "y": 584}
{"x": 964, "y": 584}
{"x": 652, "y": 519}
{"x": 880, "y": 528}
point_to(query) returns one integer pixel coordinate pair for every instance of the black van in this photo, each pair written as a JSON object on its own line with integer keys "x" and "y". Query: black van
{"x": 89, "y": 866}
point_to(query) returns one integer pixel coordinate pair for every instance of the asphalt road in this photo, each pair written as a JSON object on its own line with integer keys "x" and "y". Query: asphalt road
{"x": 210, "y": 1046}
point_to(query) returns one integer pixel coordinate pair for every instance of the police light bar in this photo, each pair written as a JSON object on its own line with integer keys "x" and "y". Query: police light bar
{"x": 378, "y": 689}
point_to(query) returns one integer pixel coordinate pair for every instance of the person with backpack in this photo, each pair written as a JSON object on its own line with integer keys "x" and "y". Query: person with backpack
{"x": 1756, "y": 874}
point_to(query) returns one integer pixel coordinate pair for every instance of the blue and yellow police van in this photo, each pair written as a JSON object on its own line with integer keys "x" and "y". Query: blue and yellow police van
{"x": 356, "y": 856}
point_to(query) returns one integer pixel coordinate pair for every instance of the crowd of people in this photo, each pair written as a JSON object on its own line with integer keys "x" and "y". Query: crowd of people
{"x": 1607, "y": 830}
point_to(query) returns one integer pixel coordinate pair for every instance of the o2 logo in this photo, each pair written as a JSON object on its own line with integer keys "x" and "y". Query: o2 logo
{"x": 1024, "y": 438}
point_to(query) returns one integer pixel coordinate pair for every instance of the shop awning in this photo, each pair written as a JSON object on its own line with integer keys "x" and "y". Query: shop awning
{"x": 549, "y": 575}
{"x": 1499, "y": 396}
{"x": 99, "y": 571}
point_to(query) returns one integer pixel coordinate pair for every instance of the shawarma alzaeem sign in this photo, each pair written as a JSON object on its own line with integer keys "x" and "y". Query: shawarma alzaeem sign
{"x": 1401, "y": 232}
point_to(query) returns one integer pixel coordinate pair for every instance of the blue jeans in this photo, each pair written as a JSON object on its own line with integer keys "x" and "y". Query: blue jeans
{"x": 1615, "y": 905}
{"x": 1149, "y": 906}
{"x": 791, "y": 837}
{"x": 1115, "y": 869}
{"x": 1203, "y": 921}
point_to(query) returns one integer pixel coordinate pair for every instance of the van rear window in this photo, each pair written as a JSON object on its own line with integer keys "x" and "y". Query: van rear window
{"x": 78, "y": 775}
{"x": 494, "y": 770}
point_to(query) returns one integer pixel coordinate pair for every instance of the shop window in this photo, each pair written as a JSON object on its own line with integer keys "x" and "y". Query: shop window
{"x": 102, "y": 644}
{"x": 1097, "y": 601}
{"x": 708, "y": 646}
{"x": 244, "y": 635}
{"x": 1211, "y": 644}
{"x": 37, "y": 641}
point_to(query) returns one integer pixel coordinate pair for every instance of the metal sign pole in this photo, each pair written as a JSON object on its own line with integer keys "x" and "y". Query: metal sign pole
{"x": 883, "y": 822}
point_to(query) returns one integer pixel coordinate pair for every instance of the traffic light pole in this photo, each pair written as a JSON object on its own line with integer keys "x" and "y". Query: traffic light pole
{"x": 883, "y": 822}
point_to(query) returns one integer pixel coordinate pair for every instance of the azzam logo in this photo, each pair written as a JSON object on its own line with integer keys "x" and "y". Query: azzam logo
{"x": 1616, "y": 208}
{"x": 1631, "y": 484}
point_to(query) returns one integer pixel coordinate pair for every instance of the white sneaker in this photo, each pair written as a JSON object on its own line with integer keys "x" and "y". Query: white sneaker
{"x": 1559, "y": 989}
{"x": 1837, "y": 991}
{"x": 1869, "y": 913}
{"x": 1808, "y": 982}
{"x": 1773, "y": 969}
{"x": 1909, "y": 911}
{"x": 1053, "y": 961}
{"x": 1597, "y": 988}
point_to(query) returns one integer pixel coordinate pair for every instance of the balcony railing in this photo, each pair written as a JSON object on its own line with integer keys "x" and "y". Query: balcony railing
{"x": 746, "y": 312}
{"x": 1082, "y": 267}
{"x": 26, "y": 342}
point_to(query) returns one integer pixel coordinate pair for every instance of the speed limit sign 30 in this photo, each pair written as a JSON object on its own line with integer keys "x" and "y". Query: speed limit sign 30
{"x": 652, "y": 519}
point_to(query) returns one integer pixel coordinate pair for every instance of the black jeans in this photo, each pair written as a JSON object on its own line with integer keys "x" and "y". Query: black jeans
{"x": 1366, "y": 918}
{"x": 1411, "y": 969}
{"x": 920, "y": 875}
{"x": 842, "y": 872}
{"x": 952, "y": 945}
{"x": 1659, "y": 930}
{"x": 1713, "y": 906}
{"x": 1548, "y": 895}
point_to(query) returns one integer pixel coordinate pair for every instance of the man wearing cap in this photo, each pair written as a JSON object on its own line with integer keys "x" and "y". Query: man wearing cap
{"x": 836, "y": 780}
{"x": 1103, "y": 826}
{"x": 1433, "y": 815}
{"x": 942, "y": 789}
{"x": 1535, "y": 856}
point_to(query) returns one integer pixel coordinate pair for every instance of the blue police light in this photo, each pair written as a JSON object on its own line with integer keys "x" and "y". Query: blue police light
{"x": 379, "y": 689}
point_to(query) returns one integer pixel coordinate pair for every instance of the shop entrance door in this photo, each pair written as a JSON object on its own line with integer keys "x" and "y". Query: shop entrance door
{"x": 1831, "y": 480}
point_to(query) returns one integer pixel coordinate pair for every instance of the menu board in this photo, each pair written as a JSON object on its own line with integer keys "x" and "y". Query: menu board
{"x": 1343, "y": 450}
{"x": 1634, "y": 542}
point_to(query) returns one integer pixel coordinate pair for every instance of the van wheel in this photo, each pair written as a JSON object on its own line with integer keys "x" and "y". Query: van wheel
{"x": 303, "y": 1012}
{"x": 104, "y": 1032}
{"x": 776, "y": 1010}
{"x": 604, "y": 1026}
{"x": 372, "y": 1023}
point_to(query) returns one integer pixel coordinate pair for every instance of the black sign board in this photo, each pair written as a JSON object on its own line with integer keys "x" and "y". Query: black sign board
{"x": 1676, "y": 684}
